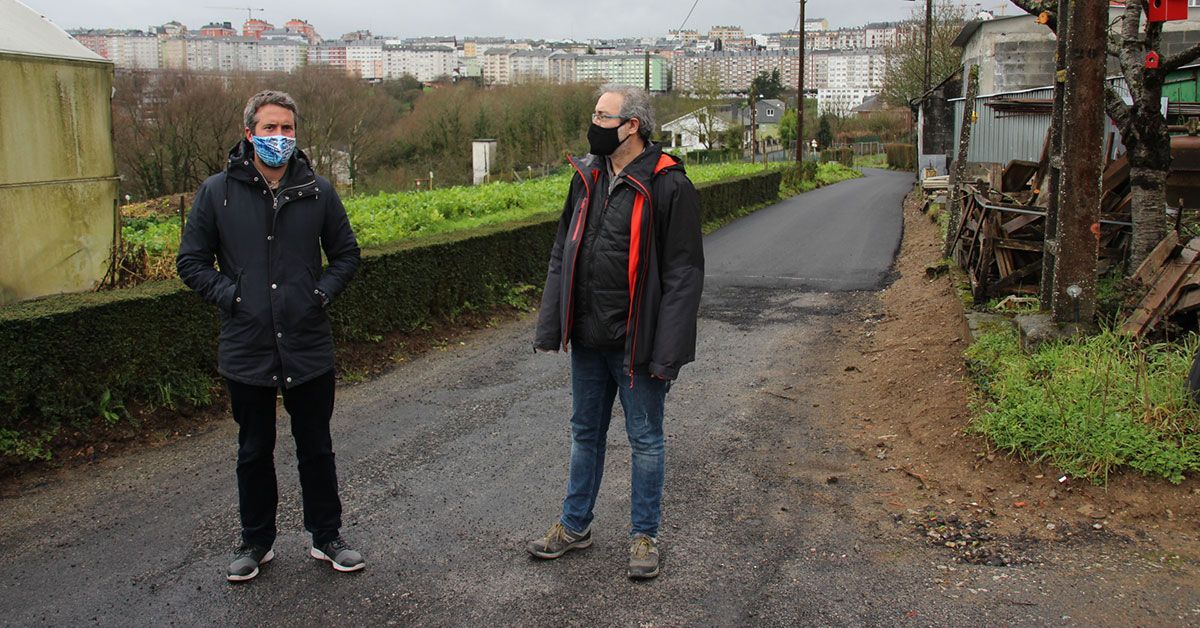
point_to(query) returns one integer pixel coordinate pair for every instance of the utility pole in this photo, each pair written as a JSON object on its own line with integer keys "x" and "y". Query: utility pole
{"x": 928, "y": 43}
{"x": 1061, "y": 33}
{"x": 753, "y": 124}
{"x": 647, "y": 71}
{"x": 1074, "y": 294}
{"x": 800, "y": 94}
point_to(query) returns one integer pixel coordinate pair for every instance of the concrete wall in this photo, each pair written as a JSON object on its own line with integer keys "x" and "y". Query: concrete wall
{"x": 58, "y": 185}
{"x": 1017, "y": 53}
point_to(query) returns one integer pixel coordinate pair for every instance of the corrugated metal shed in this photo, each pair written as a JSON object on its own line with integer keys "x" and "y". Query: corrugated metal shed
{"x": 999, "y": 137}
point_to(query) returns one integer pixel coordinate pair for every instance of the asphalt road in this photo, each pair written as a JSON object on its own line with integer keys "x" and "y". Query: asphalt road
{"x": 451, "y": 462}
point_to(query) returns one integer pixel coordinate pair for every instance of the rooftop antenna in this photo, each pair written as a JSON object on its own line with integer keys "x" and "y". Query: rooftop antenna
{"x": 249, "y": 10}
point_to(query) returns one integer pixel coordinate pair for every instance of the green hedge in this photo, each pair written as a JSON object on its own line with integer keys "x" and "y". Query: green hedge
{"x": 73, "y": 361}
{"x": 843, "y": 155}
{"x": 901, "y": 156}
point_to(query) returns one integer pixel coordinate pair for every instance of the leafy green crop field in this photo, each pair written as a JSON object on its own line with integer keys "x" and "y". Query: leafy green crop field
{"x": 390, "y": 217}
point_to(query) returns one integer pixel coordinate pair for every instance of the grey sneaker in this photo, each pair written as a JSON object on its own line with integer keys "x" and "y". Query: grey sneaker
{"x": 246, "y": 562}
{"x": 339, "y": 554}
{"x": 643, "y": 558}
{"x": 558, "y": 541}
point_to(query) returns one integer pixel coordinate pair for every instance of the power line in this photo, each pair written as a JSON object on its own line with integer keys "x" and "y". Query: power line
{"x": 689, "y": 15}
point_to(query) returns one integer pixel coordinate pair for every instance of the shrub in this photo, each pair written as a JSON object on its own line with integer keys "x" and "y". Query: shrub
{"x": 843, "y": 155}
{"x": 901, "y": 156}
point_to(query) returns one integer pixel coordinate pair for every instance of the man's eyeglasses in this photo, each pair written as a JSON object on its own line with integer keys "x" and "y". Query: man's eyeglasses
{"x": 599, "y": 117}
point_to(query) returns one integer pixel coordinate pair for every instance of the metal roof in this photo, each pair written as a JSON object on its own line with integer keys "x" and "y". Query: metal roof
{"x": 24, "y": 31}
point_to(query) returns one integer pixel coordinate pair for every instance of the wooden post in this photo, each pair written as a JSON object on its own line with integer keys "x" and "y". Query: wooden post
{"x": 1083, "y": 140}
{"x": 960, "y": 161}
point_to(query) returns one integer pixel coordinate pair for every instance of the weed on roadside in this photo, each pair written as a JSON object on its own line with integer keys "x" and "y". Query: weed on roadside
{"x": 1088, "y": 406}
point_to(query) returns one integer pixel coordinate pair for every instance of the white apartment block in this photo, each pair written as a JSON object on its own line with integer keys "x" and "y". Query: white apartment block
{"x": 126, "y": 49}
{"x": 529, "y": 66}
{"x": 731, "y": 71}
{"x": 221, "y": 54}
{"x": 824, "y": 69}
{"x": 497, "y": 66}
{"x": 281, "y": 55}
{"x": 851, "y": 69}
{"x": 562, "y": 68}
{"x": 880, "y": 35}
{"x": 138, "y": 51}
{"x": 622, "y": 69}
{"x": 365, "y": 60}
{"x": 840, "y": 100}
{"x": 425, "y": 63}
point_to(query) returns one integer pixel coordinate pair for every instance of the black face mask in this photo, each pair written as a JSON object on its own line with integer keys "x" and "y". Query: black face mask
{"x": 603, "y": 141}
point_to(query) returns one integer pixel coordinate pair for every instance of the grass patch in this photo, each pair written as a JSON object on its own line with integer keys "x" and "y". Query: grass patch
{"x": 1089, "y": 406}
{"x": 878, "y": 160}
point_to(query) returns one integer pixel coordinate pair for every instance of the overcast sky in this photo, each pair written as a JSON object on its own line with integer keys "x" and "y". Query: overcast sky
{"x": 509, "y": 18}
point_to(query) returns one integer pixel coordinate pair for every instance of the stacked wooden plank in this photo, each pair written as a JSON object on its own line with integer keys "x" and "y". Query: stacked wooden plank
{"x": 1000, "y": 246}
{"x": 1000, "y": 238}
{"x": 935, "y": 183}
{"x": 1172, "y": 274}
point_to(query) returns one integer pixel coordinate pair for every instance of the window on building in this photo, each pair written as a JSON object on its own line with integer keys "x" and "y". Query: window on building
{"x": 770, "y": 112}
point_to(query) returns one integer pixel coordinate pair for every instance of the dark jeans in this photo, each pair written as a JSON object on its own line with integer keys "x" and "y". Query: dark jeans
{"x": 310, "y": 406}
{"x": 597, "y": 377}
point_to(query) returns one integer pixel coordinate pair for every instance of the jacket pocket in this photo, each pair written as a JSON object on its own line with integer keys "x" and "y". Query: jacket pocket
{"x": 235, "y": 305}
{"x": 314, "y": 277}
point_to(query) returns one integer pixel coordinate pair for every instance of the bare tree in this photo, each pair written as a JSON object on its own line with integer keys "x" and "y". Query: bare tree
{"x": 704, "y": 122}
{"x": 904, "y": 72}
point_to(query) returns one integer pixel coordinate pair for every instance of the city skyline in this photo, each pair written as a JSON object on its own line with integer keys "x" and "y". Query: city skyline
{"x": 475, "y": 18}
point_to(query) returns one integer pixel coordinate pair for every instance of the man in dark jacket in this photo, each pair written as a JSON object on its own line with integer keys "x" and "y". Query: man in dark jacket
{"x": 624, "y": 284}
{"x": 265, "y": 220}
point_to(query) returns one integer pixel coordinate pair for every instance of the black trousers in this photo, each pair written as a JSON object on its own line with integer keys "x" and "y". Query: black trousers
{"x": 310, "y": 406}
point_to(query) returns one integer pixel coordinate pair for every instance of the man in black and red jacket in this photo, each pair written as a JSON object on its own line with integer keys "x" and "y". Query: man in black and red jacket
{"x": 623, "y": 287}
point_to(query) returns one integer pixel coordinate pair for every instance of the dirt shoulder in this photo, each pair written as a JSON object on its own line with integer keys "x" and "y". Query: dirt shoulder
{"x": 902, "y": 402}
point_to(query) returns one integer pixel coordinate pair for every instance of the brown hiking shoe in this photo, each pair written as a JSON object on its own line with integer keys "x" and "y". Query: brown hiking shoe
{"x": 558, "y": 541}
{"x": 643, "y": 558}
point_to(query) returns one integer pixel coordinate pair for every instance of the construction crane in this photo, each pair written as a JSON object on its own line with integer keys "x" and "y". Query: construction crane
{"x": 249, "y": 10}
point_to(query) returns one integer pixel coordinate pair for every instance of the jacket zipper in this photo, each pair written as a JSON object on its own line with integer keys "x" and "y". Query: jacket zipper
{"x": 583, "y": 209}
{"x": 274, "y": 217}
{"x": 636, "y": 305}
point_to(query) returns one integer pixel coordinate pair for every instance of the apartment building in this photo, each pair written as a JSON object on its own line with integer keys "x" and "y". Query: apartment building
{"x": 424, "y": 63}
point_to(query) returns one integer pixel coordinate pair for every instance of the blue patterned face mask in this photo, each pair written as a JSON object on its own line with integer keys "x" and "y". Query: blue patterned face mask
{"x": 273, "y": 150}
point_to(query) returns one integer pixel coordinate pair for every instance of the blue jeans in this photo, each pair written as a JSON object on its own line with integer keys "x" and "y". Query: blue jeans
{"x": 596, "y": 378}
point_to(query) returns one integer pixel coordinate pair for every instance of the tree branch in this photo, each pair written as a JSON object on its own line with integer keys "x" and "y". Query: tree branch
{"x": 1115, "y": 44}
{"x": 1178, "y": 61}
{"x": 1131, "y": 20}
{"x": 1116, "y": 108}
{"x": 1037, "y": 7}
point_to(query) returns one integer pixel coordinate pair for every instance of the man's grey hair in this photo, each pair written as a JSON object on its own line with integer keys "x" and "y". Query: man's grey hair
{"x": 267, "y": 97}
{"x": 635, "y": 105}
